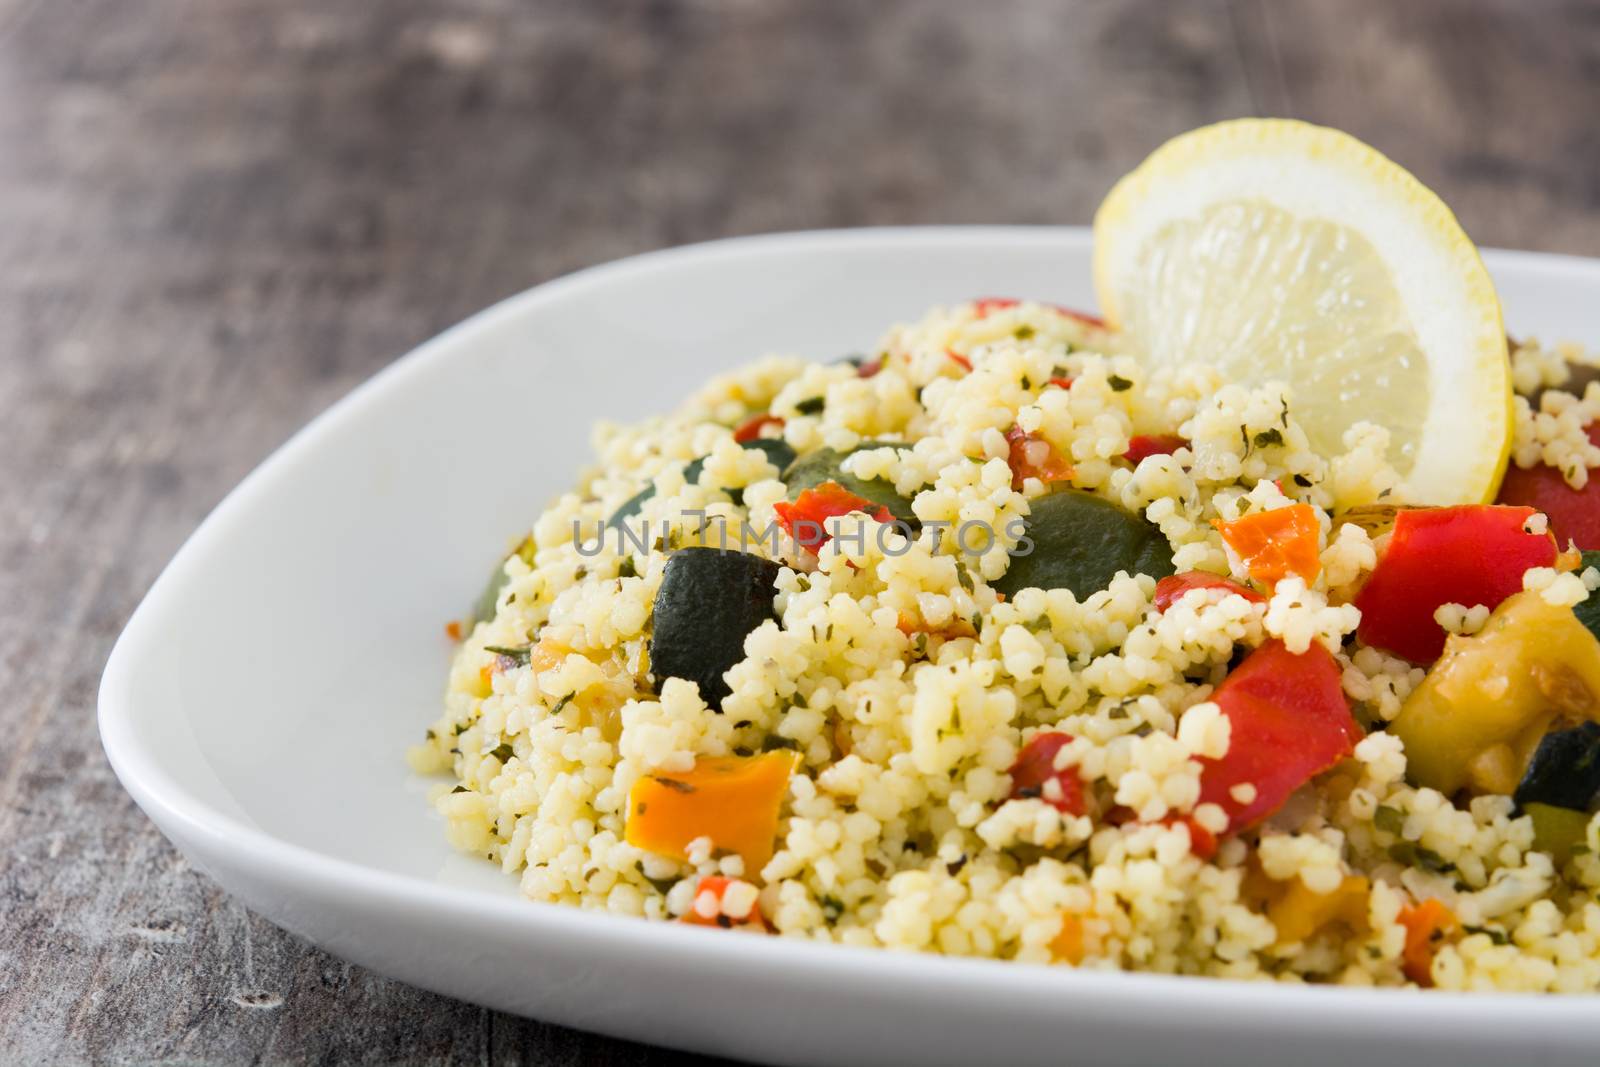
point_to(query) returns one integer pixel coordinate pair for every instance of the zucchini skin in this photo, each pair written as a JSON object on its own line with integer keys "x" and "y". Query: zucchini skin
{"x": 1080, "y": 542}
{"x": 823, "y": 465}
{"x": 1564, "y": 771}
{"x": 709, "y": 601}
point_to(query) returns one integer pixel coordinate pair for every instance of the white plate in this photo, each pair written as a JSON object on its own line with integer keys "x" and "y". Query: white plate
{"x": 260, "y": 700}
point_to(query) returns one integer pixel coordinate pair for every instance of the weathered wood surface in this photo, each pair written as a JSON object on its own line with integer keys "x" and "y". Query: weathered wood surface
{"x": 217, "y": 216}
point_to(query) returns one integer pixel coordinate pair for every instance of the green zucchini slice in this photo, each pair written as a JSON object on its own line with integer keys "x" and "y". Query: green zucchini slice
{"x": 709, "y": 601}
{"x": 1080, "y": 542}
{"x": 489, "y": 599}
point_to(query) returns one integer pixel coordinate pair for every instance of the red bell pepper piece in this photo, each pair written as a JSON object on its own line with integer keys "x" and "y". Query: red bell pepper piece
{"x": 752, "y": 428}
{"x": 1170, "y": 589}
{"x": 1160, "y": 444}
{"x": 1427, "y": 925}
{"x": 985, "y": 306}
{"x": 711, "y": 895}
{"x": 805, "y": 519}
{"x": 1474, "y": 554}
{"x": 1290, "y": 722}
{"x": 869, "y": 370}
{"x": 966, "y": 364}
{"x": 1060, "y": 383}
{"x": 1035, "y": 769}
{"x": 1034, "y": 457}
{"x": 1574, "y": 513}
{"x": 1275, "y": 544}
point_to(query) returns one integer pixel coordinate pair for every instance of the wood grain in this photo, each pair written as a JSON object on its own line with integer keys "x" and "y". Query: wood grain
{"x": 217, "y": 216}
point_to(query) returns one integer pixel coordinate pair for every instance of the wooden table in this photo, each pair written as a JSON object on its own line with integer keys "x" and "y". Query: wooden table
{"x": 217, "y": 216}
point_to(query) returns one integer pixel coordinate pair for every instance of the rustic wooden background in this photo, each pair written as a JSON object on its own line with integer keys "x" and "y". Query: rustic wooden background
{"x": 217, "y": 216}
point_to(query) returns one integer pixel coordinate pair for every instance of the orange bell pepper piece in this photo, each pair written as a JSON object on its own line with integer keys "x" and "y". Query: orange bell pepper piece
{"x": 1427, "y": 924}
{"x": 1276, "y": 544}
{"x": 1068, "y": 945}
{"x": 733, "y": 800}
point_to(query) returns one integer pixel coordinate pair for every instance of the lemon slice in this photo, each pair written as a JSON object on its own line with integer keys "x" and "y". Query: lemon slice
{"x": 1281, "y": 251}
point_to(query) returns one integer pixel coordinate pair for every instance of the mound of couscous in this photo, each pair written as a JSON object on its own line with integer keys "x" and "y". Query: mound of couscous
{"x": 1023, "y": 636}
{"x": 911, "y": 752}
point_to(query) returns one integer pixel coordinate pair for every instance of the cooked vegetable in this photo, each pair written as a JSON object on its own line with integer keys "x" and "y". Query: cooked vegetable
{"x": 489, "y": 599}
{"x": 1427, "y": 926}
{"x": 1142, "y": 446}
{"x": 1468, "y": 555}
{"x": 1067, "y": 946}
{"x": 1080, "y": 542}
{"x": 777, "y": 451}
{"x": 725, "y": 902}
{"x": 1557, "y": 830}
{"x": 1574, "y": 513}
{"x": 751, "y": 429}
{"x": 1170, "y": 589}
{"x": 709, "y": 601}
{"x": 806, "y": 519}
{"x": 1276, "y": 544}
{"x": 823, "y": 465}
{"x": 1564, "y": 770}
{"x": 1300, "y": 913}
{"x": 1290, "y": 722}
{"x": 1483, "y": 708}
{"x": 1034, "y": 457}
{"x": 1034, "y": 774}
{"x": 733, "y": 800}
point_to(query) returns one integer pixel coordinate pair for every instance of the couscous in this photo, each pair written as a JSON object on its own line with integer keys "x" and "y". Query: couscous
{"x": 999, "y": 639}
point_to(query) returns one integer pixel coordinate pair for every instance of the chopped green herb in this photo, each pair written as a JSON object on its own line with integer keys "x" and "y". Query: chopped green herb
{"x": 502, "y": 752}
{"x": 626, "y": 569}
{"x": 1118, "y": 383}
{"x": 963, "y": 577}
{"x": 1023, "y": 332}
{"x": 832, "y": 908}
{"x": 1499, "y": 937}
{"x": 661, "y": 885}
{"x": 1302, "y": 481}
{"x": 1433, "y": 861}
{"x": 773, "y": 743}
{"x": 562, "y": 703}
{"x": 1269, "y": 437}
{"x": 1388, "y": 819}
{"x": 459, "y": 789}
{"x": 811, "y": 405}
{"x": 518, "y": 656}
{"x": 431, "y": 735}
